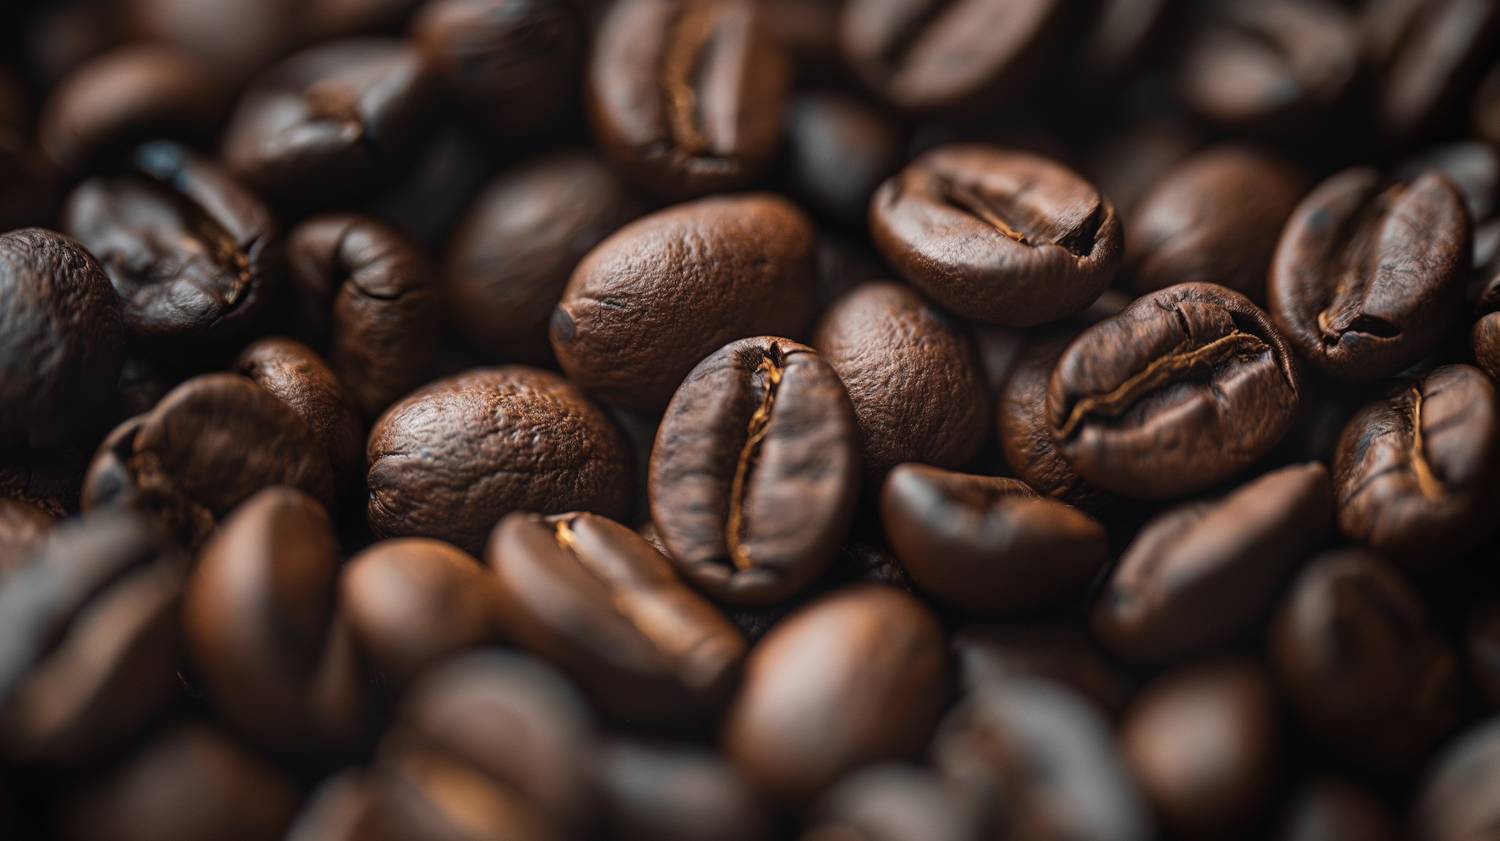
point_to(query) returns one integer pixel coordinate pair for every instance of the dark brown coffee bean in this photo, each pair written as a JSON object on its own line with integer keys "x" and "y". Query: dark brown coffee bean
{"x": 234, "y": 39}
{"x": 63, "y": 339}
{"x": 509, "y": 261}
{"x": 890, "y": 802}
{"x": 662, "y": 293}
{"x": 1460, "y": 797}
{"x": 1368, "y": 276}
{"x": 514, "y": 65}
{"x": 596, "y": 599}
{"x": 1418, "y": 476}
{"x": 840, "y": 149}
{"x": 369, "y": 293}
{"x": 331, "y": 124}
{"x": 1214, "y": 218}
{"x": 270, "y": 647}
{"x": 1482, "y": 651}
{"x": 755, "y": 471}
{"x": 413, "y": 601}
{"x": 131, "y": 93}
{"x": 23, "y": 526}
{"x": 911, "y": 374}
{"x": 1201, "y": 741}
{"x": 1001, "y": 236}
{"x": 1200, "y": 575}
{"x": 1360, "y": 663}
{"x": 452, "y": 459}
{"x": 1431, "y": 53}
{"x": 1334, "y": 809}
{"x": 1180, "y": 391}
{"x": 91, "y": 642}
{"x": 192, "y": 783}
{"x": 195, "y": 256}
{"x": 856, "y": 676}
{"x": 686, "y": 96}
{"x": 985, "y": 544}
{"x": 1484, "y": 339}
{"x": 1056, "y": 651}
{"x": 1032, "y": 753}
{"x": 662, "y": 791}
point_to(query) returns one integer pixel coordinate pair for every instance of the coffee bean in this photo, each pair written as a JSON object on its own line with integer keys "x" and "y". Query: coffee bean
{"x": 1332, "y": 809}
{"x": 665, "y": 291}
{"x": 664, "y": 791}
{"x": 855, "y": 676}
{"x": 196, "y": 257}
{"x": 1482, "y": 651}
{"x": 1201, "y": 742}
{"x": 23, "y": 526}
{"x": 1002, "y": 236}
{"x": 1056, "y": 651}
{"x": 1368, "y": 276}
{"x": 1200, "y": 575}
{"x": 1360, "y": 663}
{"x": 1484, "y": 339}
{"x": 1432, "y": 54}
{"x": 840, "y": 149}
{"x": 1214, "y": 218}
{"x": 1460, "y": 797}
{"x": 755, "y": 471}
{"x": 1474, "y": 168}
{"x": 369, "y": 294}
{"x": 1416, "y": 476}
{"x": 686, "y": 96}
{"x": 892, "y": 802}
{"x": 985, "y": 544}
{"x": 911, "y": 374}
{"x": 509, "y": 262}
{"x": 1182, "y": 390}
{"x": 63, "y": 339}
{"x": 234, "y": 39}
{"x": 452, "y": 459}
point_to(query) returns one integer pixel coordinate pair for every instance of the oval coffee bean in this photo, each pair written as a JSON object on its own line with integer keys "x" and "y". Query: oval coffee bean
{"x": 686, "y": 96}
{"x": 452, "y": 459}
{"x": 62, "y": 338}
{"x": 595, "y": 598}
{"x": 1180, "y": 391}
{"x": 235, "y": 39}
{"x": 1368, "y": 276}
{"x": 1360, "y": 663}
{"x": 840, "y": 149}
{"x": 1460, "y": 797}
{"x": 1432, "y": 54}
{"x": 985, "y": 544}
{"x": 1001, "y": 236}
{"x": 643, "y": 785}
{"x": 1418, "y": 476}
{"x": 1482, "y": 651}
{"x": 1333, "y": 809}
{"x": 911, "y": 374}
{"x": 665, "y": 291}
{"x": 755, "y": 471}
{"x": 1213, "y": 218}
{"x": 892, "y": 802}
{"x": 856, "y": 676}
{"x": 1198, "y": 576}
{"x": 1201, "y": 742}
{"x": 510, "y": 259}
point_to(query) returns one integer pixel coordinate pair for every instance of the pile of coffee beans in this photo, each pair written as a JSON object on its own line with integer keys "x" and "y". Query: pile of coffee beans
{"x": 750, "y": 420}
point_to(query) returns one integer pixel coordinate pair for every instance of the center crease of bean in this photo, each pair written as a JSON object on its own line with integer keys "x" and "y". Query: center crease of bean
{"x": 760, "y": 424}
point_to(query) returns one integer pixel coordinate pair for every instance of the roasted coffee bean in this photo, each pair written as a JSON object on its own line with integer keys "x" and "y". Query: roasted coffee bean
{"x": 1368, "y": 276}
{"x": 1431, "y": 53}
{"x": 855, "y": 676}
{"x": 426, "y": 203}
{"x": 63, "y": 338}
{"x": 890, "y": 802}
{"x": 911, "y": 374}
{"x": 1484, "y": 339}
{"x": 331, "y": 124}
{"x": 23, "y": 526}
{"x": 1214, "y": 218}
{"x": 1055, "y": 651}
{"x": 274, "y": 653}
{"x": 1201, "y": 741}
{"x": 595, "y": 598}
{"x": 234, "y": 39}
{"x": 840, "y": 149}
{"x": 942, "y": 57}
{"x": 985, "y": 544}
{"x": 510, "y": 259}
{"x": 131, "y": 93}
{"x": 195, "y": 256}
{"x": 1334, "y": 809}
{"x": 999, "y": 235}
{"x": 412, "y": 601}
{"x": 1360, "y": 663}
{"x": 665, "y": 291}
{"x": 369, "y": 294}
{"x": 755, "y": 471}
{"x": 191, "y": 783}
{"x": 452, "y": 459}
{"x": 514, "y": 65}
{"x": 1460, "y": 797}
{"x": 91, "y": 647}
{"x": 1038, "y": 759}
{"x": 1180, "y": 391}
{"x": 686, "y": 96}
{"x": 1417, "y": 476}
{"x": 1200, "y": 575}
{"x": 1482, "y": 651}
{"x": 662, "y": 791}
